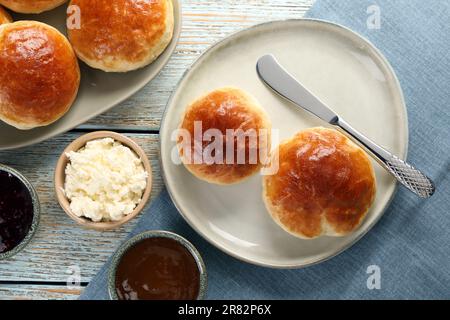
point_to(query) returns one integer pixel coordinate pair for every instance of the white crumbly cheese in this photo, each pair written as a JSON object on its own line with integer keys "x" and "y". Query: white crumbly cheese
{"x": 105, "y": 180}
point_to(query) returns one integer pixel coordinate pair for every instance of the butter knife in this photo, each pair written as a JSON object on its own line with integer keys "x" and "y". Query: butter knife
{"x": 280, "y": 81}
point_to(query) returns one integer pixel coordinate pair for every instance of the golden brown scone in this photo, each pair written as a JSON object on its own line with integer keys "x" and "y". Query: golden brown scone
{"x": 122, "y": 35}
{"x": 222, "y": 109}
{"x": 4, "y": 16}
{"x": 325, "y": 184}
{"x": 40, "y": 74}
{"x": 31, "y": 6}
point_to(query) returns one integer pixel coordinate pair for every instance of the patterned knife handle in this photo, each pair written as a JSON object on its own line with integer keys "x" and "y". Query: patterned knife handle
{"x": 410, "y": 177}
{"x": 406, "y": 174}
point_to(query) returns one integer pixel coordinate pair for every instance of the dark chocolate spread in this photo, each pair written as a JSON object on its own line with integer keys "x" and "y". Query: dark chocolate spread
{"x": 157, "y": 269}
{"x": 16, "y": 211}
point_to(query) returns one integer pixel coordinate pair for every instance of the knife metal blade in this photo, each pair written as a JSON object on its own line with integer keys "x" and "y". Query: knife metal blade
{"x": 276, "y": 77}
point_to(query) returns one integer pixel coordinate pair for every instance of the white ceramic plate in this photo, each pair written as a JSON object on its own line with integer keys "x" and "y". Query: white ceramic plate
{"x": 99, "y": 91}
{"x": 339, "y": 66}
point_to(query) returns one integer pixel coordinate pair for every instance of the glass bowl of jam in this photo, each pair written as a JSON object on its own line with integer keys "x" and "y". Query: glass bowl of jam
{"x": 157, "y": 265}
{"x": 19, "y": 212}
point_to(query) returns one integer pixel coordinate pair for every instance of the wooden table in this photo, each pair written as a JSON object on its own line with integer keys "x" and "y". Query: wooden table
{"x": 42, "y": 270}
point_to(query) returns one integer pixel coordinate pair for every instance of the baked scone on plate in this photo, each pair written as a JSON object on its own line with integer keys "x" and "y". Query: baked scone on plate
{"x": 122, "y": 35}
{"x": 39, "y": 76}
{"x": 4, "y": 16}
{"x": 31, "y": 6}
{"x": 235, "y": 121}
{"x": 325, "y": 184}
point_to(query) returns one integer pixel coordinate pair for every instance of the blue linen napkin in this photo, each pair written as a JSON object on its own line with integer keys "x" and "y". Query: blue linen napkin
{"x": 411, "y": 243}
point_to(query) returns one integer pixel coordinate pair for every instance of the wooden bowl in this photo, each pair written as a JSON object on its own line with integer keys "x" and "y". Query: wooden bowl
{"x": 60, "y": 176}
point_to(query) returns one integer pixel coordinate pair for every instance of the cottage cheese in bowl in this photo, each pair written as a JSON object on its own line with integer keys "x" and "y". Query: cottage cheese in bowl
{"x": 104, "y": 181}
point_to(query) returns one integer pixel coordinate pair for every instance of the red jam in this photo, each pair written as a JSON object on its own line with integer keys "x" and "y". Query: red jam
{"x": 16, "y": 211}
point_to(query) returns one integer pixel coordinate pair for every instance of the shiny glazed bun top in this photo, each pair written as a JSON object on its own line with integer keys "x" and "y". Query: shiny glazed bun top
{"x": 31, "y": 6}
{"x": 220, "y": 110}
{"x": 325, "y": 184}
{"x": 121, "y": 35}
{"x": 39, "y": 76}
{"x": 4, "y": 16}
